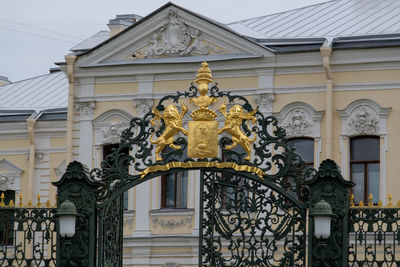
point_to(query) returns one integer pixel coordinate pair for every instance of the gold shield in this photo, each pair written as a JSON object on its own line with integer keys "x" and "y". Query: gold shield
{"x": 203, "y": 139}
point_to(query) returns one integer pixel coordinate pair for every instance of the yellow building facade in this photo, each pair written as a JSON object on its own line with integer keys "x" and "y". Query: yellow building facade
{"x": 337, "y": 99}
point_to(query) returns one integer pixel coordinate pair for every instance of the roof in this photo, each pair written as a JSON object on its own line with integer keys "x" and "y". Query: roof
{"x": 48, "y": 91}
{"x": 92, "y": 41}
{"x": 149, "y": 16}
{"x": 338, "y": 18}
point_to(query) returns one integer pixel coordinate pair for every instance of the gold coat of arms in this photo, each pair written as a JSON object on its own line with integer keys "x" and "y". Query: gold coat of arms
{"x": 203, "y": 131}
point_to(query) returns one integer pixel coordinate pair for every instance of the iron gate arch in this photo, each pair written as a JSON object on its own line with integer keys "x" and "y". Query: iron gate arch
{"x": 275, "y": 175}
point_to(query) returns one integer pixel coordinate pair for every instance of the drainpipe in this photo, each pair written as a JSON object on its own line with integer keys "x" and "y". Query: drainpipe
{"x": 326, "y": 51}
{"x": 30, "y": 122}
{"x": 70, "y": 59}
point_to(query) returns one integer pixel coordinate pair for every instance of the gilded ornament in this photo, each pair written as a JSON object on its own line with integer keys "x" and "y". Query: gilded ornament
{"x": 203, "y": 131}
{"x": 202, "y": 164}
{"x": 203, "y": 78}
{"x": 203, "y": 139}
{"x": 233, "y": 121}
{"x": 173, "y": 125}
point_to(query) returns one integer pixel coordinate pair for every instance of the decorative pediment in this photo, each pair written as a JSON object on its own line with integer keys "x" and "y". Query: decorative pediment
{"x": 176, "y": 38}
{"x": 9, "y": 176}
{"x": 300, "y": 120}
{"x": 109, "y": 126}
{"x": 171, "y": 32}
{"x": 363, "y": 117}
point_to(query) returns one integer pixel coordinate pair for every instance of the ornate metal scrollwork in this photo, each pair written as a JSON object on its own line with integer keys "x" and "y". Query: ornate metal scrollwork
{"x": 264, "y": 143}
{"x": 246, "y": 223}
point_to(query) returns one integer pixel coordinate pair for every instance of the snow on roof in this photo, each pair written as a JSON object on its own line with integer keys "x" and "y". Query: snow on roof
{"x": 338, "y": 18}
{"x": 39, "y": 93}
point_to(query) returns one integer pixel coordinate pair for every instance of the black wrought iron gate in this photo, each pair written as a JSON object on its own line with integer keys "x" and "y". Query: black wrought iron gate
{"x": 252, "y": 205}
{"x": 253, "y": 193}
{"x": 246, "y": 221}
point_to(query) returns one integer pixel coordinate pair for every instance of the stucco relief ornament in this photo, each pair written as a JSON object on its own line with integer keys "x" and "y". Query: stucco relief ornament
{"x": 176, "y": 38}
{"x": 264, "y": 102}
{"x": 143, "y": 106}
{"x": 6, "y": 183}
{"x": 112, "y": 133}
{"x": 364, "y": 121}
{"x": 297, "y": 124}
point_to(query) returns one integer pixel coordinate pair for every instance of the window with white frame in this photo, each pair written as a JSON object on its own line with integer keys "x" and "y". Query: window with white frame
{"x": 364, "y": 167}
{"x": 302, "y": 124}
{"x": 362, "y": 150}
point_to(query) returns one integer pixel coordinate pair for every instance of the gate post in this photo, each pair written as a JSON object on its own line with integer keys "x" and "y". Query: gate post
{"x": 76, "y": 186}
{"x": 329, "y": 185}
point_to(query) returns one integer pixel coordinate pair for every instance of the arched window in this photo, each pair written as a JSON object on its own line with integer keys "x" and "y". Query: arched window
{"x": 364, "y": 167}
{"x": 304, "y": 147}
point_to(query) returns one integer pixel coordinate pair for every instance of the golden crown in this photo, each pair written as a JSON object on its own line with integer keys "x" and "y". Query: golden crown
{"x": 203, "y": 114}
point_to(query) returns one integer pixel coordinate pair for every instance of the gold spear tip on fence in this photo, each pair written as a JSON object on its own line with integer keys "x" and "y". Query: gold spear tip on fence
{"x": 390, "y": 200}
{"x": 352, "y": 200}
{"x": 20, "y": 200}
{"x": 370, "y": 204}
{"x": 38, "y": 200}
{"x": 11, "y": 204}
{"x": 2, "y": 200}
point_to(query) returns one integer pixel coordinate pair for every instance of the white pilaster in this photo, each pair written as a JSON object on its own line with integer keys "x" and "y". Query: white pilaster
{"x": 86, "y": 110}
{"x": 142, "y": 228}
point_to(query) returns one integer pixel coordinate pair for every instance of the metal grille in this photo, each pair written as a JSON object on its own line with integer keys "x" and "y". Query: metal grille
{"x": 246, "y": 223}
{"x": 110, "y": 238}
{"x": 374, "y": 237}
{"x": 28, "y": 236}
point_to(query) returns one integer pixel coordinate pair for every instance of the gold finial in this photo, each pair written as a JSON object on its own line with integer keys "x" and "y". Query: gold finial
{"x": 390, "y": 200}
{"x": 48, "y": 203}
{"x": 361, "y": 204}
{"x": 38, "y": 200}
{"x": 30, "y": 203}
{"x": 380, "y": 204}
{"x": 204, "y": 74}
{"x": 352, "y": 200}
{"x": 370, "y": 204}
{"x": 11, "y": 204}
{"x": 203, "y": 78}
{"x": 20, "y": 200}
{"x": 2, "y": 200}
{"x": 398, "y": 203}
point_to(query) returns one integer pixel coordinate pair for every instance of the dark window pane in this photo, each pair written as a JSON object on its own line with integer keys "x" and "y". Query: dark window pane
{"x": 365, "y": 149}
{"x": 170, "y": 191}
{"x": 357, "y": 174}
{"x": 373, "y": 181}
{"x": 304, "y": 147}
{"x": 125, "y": 201}
{"x": 182, "y": 190}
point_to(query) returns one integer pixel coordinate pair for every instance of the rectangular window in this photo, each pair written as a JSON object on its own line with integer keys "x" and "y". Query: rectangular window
{"x": 107, "y": 150}
{"x": 174, "y": 190}
{"x": 305, "y": 148}
{"x": 365, "y": 168}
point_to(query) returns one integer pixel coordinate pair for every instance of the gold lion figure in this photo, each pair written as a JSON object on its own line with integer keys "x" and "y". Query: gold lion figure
{"x": 173, "y": 125}
{"x": 233, "y": 120}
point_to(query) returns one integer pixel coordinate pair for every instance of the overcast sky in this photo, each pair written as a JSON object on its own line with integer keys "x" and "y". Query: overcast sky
{"x": 35, "y": 34}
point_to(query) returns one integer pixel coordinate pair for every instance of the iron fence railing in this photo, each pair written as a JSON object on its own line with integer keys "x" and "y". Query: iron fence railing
{"x": 27, "y": 234}
{"x": 374, "y": 235}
